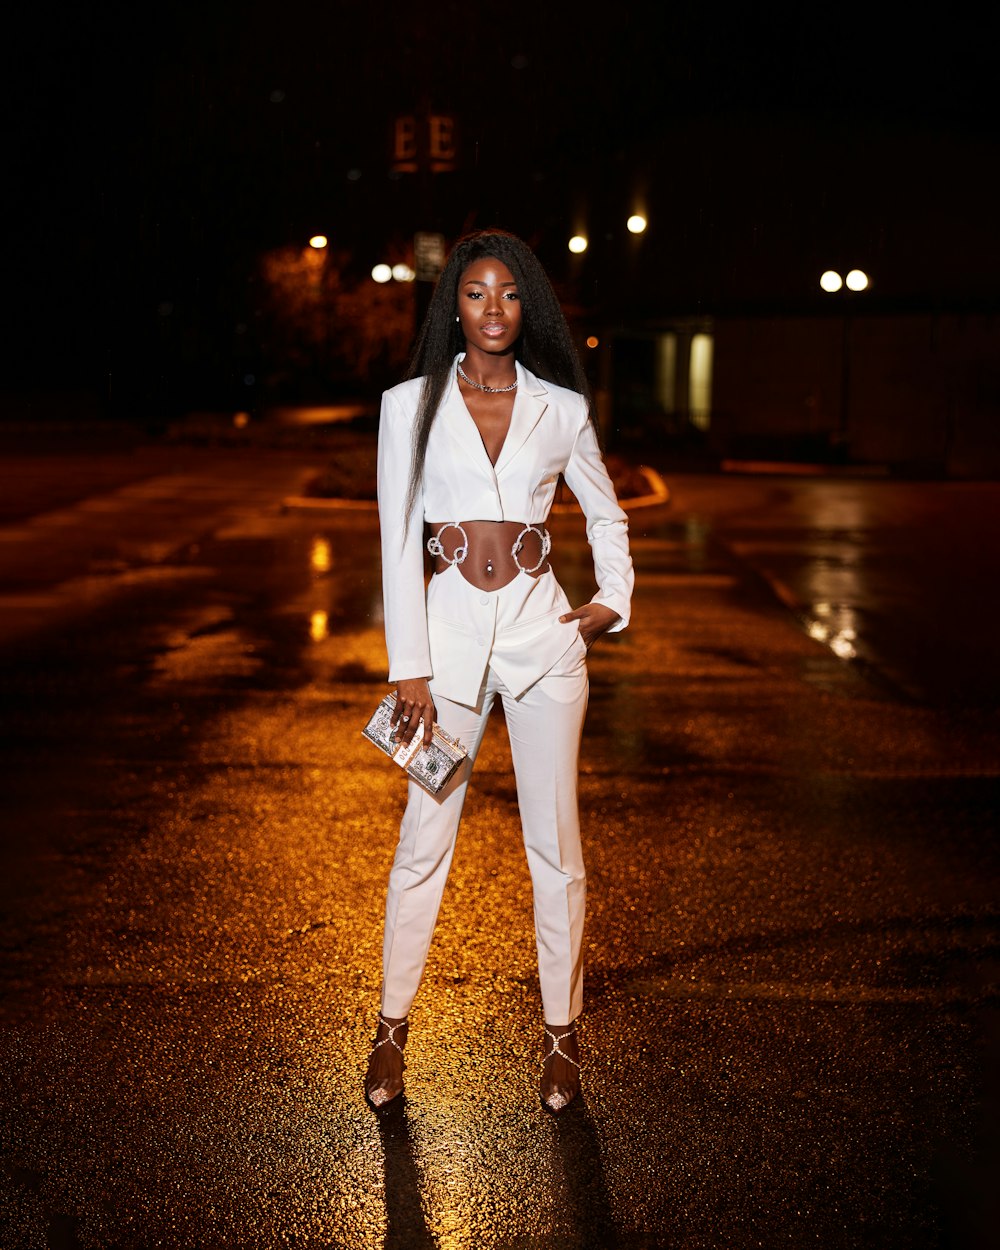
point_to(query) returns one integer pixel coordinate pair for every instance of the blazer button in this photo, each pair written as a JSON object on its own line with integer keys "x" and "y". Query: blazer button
{"x": 481, "y": 642}
{"x": 484, "y": 600}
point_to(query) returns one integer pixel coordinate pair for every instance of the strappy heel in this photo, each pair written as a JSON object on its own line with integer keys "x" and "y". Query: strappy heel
{"x": 376, "y": 1095}
{"x": 558, "y": 1099}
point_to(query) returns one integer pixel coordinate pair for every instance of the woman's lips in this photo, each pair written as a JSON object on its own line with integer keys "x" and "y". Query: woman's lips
{"x": 493, "y": 329}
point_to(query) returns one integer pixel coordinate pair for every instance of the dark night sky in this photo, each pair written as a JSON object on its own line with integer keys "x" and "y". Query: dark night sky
{"x": 156, "y": 153}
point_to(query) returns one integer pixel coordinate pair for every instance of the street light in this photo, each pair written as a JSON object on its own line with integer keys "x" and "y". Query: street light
{"x": 318, "y": 241}
{"x": 577, "y": 243}
{"x": 856, "y": 280}
{"x": 832, "y": 282}
{"x": 382, "y": 273}
{"x": 636, "y": 224}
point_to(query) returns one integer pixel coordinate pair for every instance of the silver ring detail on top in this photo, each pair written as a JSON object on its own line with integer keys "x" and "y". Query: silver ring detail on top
{"x": 436, "y": 547}
{"x": 543, "y": 534}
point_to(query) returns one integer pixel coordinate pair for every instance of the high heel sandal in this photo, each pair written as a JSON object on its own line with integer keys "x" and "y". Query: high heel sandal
{"x": 557, "y": 1101}
{"x": 375, "y": 1095}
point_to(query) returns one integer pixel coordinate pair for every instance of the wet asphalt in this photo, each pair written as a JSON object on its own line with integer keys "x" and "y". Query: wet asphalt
{"x": 789, "y": 796}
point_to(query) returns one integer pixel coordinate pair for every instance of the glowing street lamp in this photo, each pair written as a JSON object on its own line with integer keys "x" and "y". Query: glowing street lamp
{"x": 318, "y": 241}
{"x": 577, "y": 244}
{"x": 832, "y": 282}
{"x": 856, "y": 280}
{"x": 382, "y": 273}
{"x": 636, "y": 224}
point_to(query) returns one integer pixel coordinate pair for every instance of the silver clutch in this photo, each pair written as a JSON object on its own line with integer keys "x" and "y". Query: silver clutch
{"x": 431, "y": 767}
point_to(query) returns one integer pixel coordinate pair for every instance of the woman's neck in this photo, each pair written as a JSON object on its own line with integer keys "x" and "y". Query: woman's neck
{"x": 488, "y": 369}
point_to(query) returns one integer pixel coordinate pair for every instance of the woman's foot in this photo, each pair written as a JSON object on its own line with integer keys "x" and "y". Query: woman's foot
{"x": 560, "y": 1080}
{"x": 384, "y": 1078}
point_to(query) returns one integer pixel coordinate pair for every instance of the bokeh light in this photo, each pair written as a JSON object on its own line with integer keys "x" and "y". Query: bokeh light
{"x": 318, "y": 241}
{"x": 592, "y": 340}
{"x": 577, "y": 243}
{"x": 857, "y": 280}
{"x": 382, "y": 273}
{"x": 321, "y": 555}
{"x": 403, "y": 273}
{"x": 831, "y": 281}
{"x": 636, "y": 223}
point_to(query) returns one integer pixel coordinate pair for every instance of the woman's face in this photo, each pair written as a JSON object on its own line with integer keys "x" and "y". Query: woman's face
{"x": 489, "y": 307}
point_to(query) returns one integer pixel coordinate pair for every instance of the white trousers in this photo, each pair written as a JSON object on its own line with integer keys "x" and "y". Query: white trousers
{"x": 544, "y": 726}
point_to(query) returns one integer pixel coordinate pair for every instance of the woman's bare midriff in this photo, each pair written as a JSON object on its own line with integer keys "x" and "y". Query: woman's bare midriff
{"x": 489, "y": 563}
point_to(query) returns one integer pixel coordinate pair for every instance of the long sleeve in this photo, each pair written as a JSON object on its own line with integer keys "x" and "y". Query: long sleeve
{"x": 607, "y": 525}
{"x": 403, "y": 591}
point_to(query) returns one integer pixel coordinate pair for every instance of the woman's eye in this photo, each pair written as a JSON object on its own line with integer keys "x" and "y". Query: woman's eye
{"x": 511, "y": 295}
{"x": 475, "y": 294}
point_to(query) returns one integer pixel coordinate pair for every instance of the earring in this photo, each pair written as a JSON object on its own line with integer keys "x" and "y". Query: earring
{"x": 457, "y": 318}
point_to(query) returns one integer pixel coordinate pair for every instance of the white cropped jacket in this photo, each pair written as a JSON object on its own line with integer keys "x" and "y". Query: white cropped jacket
{"x": 450, "y": 633}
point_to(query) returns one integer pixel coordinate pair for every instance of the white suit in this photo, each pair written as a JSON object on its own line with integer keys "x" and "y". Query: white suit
{"x": 472, "y": 644}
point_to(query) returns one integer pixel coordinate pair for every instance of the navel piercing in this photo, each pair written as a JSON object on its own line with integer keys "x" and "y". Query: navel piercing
{"x": 489, "y": 568}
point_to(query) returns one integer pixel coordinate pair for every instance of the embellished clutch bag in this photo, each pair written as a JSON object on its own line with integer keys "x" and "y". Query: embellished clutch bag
{"x": 431, "y": 767}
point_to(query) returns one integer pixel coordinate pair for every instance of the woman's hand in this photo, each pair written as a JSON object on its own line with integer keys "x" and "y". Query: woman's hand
{"x": 595, "y": 619}
{"x": 413, "y": 703}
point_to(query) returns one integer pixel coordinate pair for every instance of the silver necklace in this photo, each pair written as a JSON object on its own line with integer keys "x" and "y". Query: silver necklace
{"x": 490, "y": 390}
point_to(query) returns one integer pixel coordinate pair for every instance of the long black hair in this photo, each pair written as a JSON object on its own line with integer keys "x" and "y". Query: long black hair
{"x": 545, "y": 345}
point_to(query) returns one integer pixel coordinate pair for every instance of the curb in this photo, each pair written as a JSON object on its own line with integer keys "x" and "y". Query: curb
{"x": 795, "y": 468}
{"x": 659, "y": 493}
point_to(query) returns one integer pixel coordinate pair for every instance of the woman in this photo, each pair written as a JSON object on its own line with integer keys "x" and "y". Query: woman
{"x": 472, "y": 446}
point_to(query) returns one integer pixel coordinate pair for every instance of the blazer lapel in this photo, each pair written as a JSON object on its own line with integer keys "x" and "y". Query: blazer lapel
{"x": 458, "y": 421}
{"x": 529, "y": 404}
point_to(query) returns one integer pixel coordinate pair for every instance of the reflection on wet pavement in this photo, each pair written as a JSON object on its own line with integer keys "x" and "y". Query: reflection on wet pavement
{"x": 901, "y": 578}
{"x": 833, "y": 624}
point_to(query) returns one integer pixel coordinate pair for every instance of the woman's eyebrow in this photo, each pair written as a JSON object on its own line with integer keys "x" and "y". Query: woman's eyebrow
{"x": 477, "y": 282}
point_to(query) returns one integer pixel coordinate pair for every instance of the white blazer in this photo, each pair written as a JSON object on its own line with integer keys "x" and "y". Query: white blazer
{"x": 452, "y": 632}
